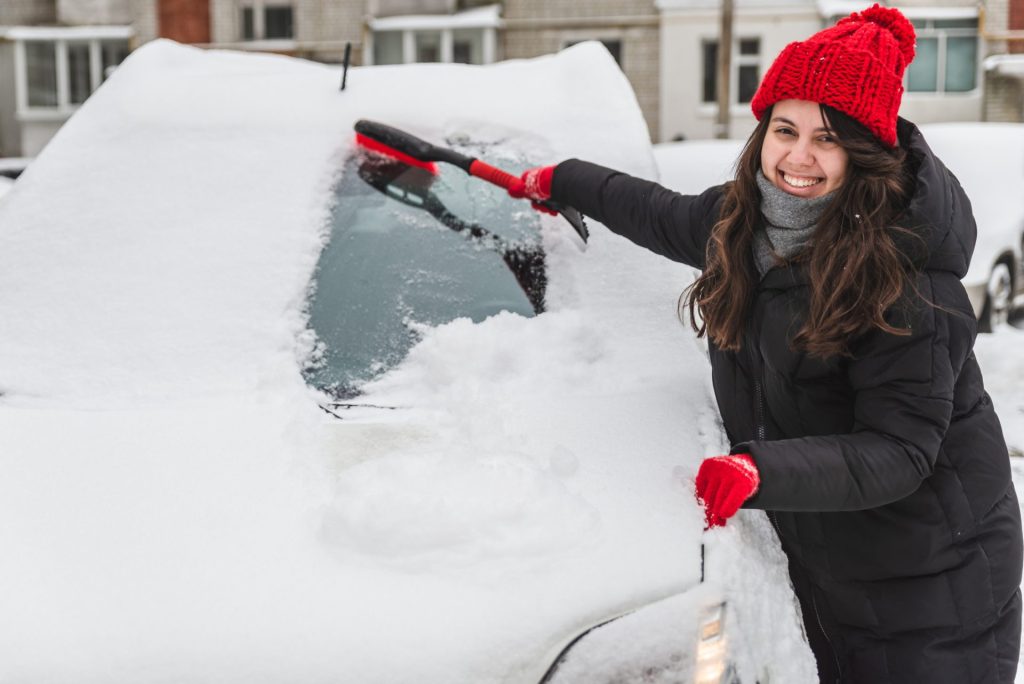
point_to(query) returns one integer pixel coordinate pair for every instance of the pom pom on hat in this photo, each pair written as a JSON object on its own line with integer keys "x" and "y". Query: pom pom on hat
{"x": 855, "y": 66}
{"x": 892, "y": 19}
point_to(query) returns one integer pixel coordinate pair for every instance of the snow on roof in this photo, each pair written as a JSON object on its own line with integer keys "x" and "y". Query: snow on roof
{"x": 1007, "y": 65}
{"x": 784, "y": 6}
{"x": 479, "y": 17}
{"x": 65, "y": 32}
{"x": 841, "y": 8}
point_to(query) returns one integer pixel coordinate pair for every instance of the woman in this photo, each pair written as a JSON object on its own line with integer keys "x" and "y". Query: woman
{"x": 841, "y": 343}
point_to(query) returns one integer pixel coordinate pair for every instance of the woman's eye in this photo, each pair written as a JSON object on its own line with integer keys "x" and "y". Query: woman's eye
{"x": 784, "y": 131}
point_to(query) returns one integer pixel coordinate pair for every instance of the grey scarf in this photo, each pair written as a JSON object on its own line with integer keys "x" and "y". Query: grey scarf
{"x": 789, "y": 223}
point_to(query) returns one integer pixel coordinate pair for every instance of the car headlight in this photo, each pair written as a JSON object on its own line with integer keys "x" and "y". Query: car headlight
{"x": 712, "y": 647}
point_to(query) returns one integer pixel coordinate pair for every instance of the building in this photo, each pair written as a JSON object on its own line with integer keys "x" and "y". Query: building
{"x": 957, "y": 75}
{"x": 54, "y": 53}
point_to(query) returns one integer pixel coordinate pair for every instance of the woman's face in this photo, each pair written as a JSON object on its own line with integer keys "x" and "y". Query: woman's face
{"x": 800, "y": 154}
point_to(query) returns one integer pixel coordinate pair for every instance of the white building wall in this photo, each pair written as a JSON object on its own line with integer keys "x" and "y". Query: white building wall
{"x": 88, "y": 12}
{"x": 683, "y": 33}
{"x": 684, "y": 29}
{"x": 36, "y": 134}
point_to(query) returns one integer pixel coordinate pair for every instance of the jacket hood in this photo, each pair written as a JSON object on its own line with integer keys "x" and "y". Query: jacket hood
{"x": 939, "y": 212}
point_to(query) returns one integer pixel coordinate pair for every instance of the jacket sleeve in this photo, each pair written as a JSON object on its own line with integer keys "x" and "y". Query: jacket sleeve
{"x": 667, "y": 223}
{"x": 903, "y": 403}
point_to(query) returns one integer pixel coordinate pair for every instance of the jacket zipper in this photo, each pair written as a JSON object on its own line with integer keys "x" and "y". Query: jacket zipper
{"x": 762, "y": 432}
{"x": 831, "y": 648}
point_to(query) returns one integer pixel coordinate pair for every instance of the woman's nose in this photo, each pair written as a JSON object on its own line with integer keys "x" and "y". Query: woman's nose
{"x": 800, "y": 153}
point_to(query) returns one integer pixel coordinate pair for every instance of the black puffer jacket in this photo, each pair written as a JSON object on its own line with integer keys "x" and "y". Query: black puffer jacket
{"x": 886, "y": 474}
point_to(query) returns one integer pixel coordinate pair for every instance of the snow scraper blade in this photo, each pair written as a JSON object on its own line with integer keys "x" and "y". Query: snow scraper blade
{"x": 384, "y": 139}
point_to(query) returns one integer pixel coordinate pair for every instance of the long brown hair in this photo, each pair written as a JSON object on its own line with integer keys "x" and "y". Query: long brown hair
{"x": 854, "y": 265}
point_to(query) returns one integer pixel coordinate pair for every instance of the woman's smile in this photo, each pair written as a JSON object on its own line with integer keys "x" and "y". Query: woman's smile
{"x": 800, "y": 154}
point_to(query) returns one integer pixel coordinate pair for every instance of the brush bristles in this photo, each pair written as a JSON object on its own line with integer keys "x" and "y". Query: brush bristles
{"x": 372, "y": 145}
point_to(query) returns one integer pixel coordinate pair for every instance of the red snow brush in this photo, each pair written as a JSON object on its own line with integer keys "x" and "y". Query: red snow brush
{"x": 411, "y": 150}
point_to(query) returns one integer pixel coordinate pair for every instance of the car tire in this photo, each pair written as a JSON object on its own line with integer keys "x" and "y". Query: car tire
{"x": 998, "y": 294}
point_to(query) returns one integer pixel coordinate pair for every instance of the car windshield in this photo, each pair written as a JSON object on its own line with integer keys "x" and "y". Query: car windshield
{"x": 408, "y": 247}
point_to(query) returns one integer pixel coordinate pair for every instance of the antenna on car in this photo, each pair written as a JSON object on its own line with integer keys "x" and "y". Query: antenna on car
{"x": 344, "y": 69}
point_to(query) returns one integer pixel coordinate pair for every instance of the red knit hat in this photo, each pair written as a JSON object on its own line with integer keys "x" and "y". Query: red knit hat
{"x": 855, "y": 66}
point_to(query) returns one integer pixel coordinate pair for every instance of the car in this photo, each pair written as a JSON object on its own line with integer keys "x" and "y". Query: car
{"x": 995, "y": 280}
{"x": 10, "y": 169}
{"x": 273, "y": 411}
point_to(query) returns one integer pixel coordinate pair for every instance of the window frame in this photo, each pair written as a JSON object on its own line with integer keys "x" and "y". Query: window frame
{"x": 60, "y": 41}
{"x": 738, "y": 60}
{"x": 259, "y": 9}
{"x": 447, "y": 52}
{"x": 942, "y": 35}
{"x": 486, "y": 20}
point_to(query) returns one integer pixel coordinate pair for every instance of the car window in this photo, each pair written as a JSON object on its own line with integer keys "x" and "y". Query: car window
{"x": 406, "y": 248}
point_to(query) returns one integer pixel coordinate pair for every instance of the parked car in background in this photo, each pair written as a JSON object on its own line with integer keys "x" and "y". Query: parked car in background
{"x": 10, "y": 169}
{"x": 272, "y": 414}
{"x": 993, "y": 181}
{"x": 988, "y": 159}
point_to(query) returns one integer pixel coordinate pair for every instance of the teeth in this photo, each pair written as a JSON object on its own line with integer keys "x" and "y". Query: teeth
{"x": 800, "y": 182}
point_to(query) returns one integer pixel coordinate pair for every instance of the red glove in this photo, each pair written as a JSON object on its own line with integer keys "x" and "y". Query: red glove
{"x": 535, "y": 184}
{"x": 723, "y": 484}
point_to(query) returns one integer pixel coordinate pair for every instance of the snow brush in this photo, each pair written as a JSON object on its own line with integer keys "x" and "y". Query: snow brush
{"x": 389, "y": 141}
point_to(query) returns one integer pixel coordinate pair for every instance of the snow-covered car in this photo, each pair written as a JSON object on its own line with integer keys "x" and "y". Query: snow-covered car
{"x": 10, "y": 169}
{"x": 993, "y": 181}
{"x": 264, "y": 422}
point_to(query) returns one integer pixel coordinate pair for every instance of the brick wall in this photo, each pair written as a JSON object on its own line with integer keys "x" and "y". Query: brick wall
{"x": 1003, "y": 99}
{"x": 1016, "y": 21}
{"x": 93, "y": 12}
{"x": 186, "y": 21}
{"x": 27, "y": 12}
{"x": 537, "y": 27}
{"x": 321, "y": 26}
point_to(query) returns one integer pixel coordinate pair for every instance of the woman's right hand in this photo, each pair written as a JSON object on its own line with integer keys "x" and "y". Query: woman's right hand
{"x": 535, "y": 185}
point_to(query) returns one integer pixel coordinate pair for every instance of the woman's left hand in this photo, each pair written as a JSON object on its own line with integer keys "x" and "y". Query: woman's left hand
{"x": 723, "y": 484}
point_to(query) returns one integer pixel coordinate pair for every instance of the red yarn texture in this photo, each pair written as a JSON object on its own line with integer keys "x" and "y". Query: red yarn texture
{"x": 855, "y": 66}
{"x": 723, "y": 484}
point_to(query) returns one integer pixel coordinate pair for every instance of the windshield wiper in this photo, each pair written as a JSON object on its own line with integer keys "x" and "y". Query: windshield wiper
{"x": 411, "y": 186}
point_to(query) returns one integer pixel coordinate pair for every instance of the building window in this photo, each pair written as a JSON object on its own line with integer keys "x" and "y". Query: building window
{"x": 468, "y": 46}
{"x": 463, "y": 46}
{"x": 268, "y": 21}
{"x": 746, "y": 70}
{"x": 41, "y": 73}
{"x": 614, "y": 46}
{"x": 947, "y": 56}
{"x": 59, "y": 75}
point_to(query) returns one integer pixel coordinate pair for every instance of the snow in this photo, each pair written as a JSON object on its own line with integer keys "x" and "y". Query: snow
{"x": 6, "y": 184}
{"x": 998, "y": 207}
{"x": 176, "y": 506}
{"x": 66, "y": 32}
{"x": 479, "y": 17}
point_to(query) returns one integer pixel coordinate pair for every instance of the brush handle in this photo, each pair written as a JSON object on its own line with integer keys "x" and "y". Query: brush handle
{"x": 491, "y": 174}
